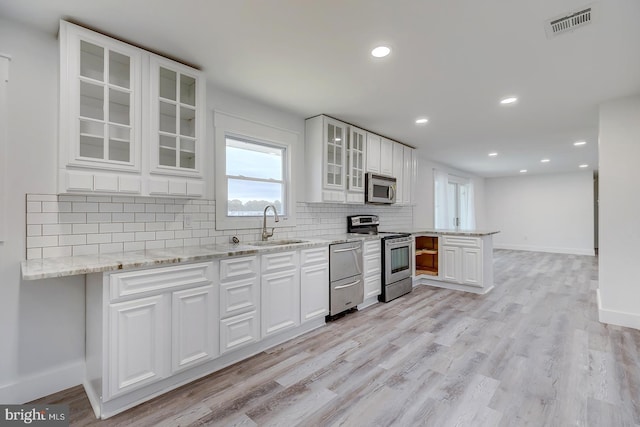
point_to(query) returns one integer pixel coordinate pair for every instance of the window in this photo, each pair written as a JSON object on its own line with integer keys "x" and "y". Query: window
{"x": 255, "y": 177}
{"x": 454, "y": 202}
{"x": 254, "y": 167}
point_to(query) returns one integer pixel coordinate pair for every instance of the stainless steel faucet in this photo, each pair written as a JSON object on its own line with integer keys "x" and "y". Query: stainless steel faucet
{"x": 265, "y": 233}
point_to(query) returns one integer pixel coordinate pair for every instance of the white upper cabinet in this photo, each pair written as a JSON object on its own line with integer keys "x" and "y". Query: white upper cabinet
{"x": 115, "y": 115}
{"x": 379, "y": 155}
{"x": 373, "y": 153}
{"x": 386, "y": 157}
{"x": 403, "y": 171}
{"x": 356, "y": 149}
{"x": 325, "y": 159}
{"x": 177, "y": 122}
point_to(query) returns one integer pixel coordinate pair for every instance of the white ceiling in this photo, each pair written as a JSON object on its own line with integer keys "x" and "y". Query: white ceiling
{"x": 451, "y": 61}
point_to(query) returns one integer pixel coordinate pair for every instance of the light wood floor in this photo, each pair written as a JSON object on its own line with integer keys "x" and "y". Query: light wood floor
{"x": 531, "y": 352}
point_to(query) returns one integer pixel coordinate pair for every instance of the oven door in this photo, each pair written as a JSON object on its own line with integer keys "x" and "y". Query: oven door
{"x": 397, "y": 260}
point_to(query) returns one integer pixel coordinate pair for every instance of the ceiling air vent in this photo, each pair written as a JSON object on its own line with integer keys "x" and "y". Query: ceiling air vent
{"x": 569, "y": 22}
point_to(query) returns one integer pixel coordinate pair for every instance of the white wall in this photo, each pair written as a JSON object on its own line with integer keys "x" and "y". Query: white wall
{"x": 423, "y": 213}
{"x": 619, "y": 222}
{"x": 41, "y": 322}
{"x": 545, "y": 213}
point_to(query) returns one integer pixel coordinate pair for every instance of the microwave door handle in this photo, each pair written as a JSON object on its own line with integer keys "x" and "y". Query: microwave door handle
{"x": 392, "y": 192}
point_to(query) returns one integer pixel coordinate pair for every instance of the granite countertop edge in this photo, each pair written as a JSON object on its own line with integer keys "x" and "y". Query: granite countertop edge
{"x": 47, "y": 268}
{"x": 444, "y": 232}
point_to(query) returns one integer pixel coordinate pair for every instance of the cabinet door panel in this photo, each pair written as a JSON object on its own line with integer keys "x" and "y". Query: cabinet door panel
{"x": 472, "y": 266}
{"x": 239, "y": 297}
{"x": 137, "y": 343}
{"x": 386, "y": 157}
{"x": 237, "y": 268}
{"x": 314, "y": 289}
{"x": 193, "y": 331}
{"x": 280, "y": 295}
{"x": 239, "y": 331}
{"x": 373, "y": 153}
{"x": 451, "y": 264}
{"x": 372, "y": 286}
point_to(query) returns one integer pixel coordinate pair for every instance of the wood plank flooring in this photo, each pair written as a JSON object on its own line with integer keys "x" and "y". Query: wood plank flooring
{"x": 531, "y": 352}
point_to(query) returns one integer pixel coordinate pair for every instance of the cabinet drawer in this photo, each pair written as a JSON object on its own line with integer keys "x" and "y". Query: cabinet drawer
{"x": 238, "y": 331}
{"x": 371, "y": 265}
{"x": 238, "y": 297}
{"x": 238, "y": 268}
{"x": 314, "y": 256}
{"x": 279, "y": 261}
{"x": 371, "y": 247}
{"x": 158, "y": 279}
{"x": 472, "y": 242}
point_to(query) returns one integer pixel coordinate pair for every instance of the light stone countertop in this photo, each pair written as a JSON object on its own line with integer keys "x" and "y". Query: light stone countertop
{"x": 35, "y": 269}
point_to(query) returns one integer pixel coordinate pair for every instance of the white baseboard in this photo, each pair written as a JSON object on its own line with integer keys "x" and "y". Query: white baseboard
{"x": 42, "y": 384}
{"x": 549, "y": 249}
{"x": 619, "y": 318}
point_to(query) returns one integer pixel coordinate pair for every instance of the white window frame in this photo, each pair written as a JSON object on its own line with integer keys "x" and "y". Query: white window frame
{"x": 229, "y": 125}
{"x": 4, "y": 93}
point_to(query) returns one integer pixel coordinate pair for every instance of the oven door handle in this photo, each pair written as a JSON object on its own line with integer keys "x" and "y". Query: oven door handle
{"x": 347, "y": 286}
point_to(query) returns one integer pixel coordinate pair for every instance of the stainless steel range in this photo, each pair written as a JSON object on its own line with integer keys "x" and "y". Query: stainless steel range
{"x": 396, "y": 256}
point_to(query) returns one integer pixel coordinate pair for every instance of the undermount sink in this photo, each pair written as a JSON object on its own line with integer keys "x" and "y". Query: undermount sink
{"x": 276, "y": 242}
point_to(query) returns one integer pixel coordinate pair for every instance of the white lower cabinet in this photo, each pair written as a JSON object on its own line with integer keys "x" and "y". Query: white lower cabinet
{"x": 239, "y": 302}
{"x": 372, "y": 270}
{"x": 149, "y": 331}
{"x": 280, "y": 301}
{"x": 138, "y": 338}
{"x": 192, "y": 331}
{"x": 462, "y": 263}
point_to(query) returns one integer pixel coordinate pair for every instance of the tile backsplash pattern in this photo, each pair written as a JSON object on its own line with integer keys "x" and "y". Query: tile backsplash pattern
{"x": 65, "y": 225}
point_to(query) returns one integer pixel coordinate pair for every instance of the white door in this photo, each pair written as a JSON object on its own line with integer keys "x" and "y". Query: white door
{"x": 386, "y": 157}
{"x": 138, "y": 338}
{"x": 373, "y": 153}
{"x": 314, "y": 291}
{"x": 194, "y": 328}
{"x": 280, "y": 301}
{"x": 398, "y": 171}
{"x": 451, "y": 264}
{"x": 472, "y": 266}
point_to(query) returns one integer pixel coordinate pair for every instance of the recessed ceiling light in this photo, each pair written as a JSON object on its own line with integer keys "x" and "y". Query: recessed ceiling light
{"x": 508, "y": 100}
{"x": 579, "y": 143}
{"x": 422, "y": 121}
{"x": 493, "y": 154}
{"x": 584, "y": 166}
{"x": 523, "y": 171}
{"x": 545, "y": 161}
{"x": 381, "y": 51}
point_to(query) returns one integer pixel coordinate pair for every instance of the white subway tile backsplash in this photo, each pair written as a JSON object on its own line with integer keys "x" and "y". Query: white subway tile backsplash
{"x": 85, "y": 250}
{"x": 34, "y": 207}
{"x": 133, "y": 246}
{"x": 98, "y": 224}
{"x": 85, "y": 228}
{"x": 34, "y": 230}
{"x": 133, "y": 226}
{"x": 73, "y": 239}
{"x": 98, "y": 217}
{"x": 56, "y": 251}
{"x": 99, "y": 238}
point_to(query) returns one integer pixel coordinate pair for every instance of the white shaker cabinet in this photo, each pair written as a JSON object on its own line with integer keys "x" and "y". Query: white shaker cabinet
{"x": 280, "y": 292}
{"x": 325, "y": 159}
{"x": 137, "y": 343}
{"x": 123, "y": 112}
{"x": 462, "y": 260}
{"x": 314, "y": 283}
{"x": 356, "y": 151}
{"x": 100, "y": 113}
{"x": 398, "y": 171}
{"x": 379, "y": 154}
{"x": 372, "y": 270}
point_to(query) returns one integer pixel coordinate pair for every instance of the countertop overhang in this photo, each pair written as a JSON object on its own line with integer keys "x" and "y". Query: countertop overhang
{"x": 449, "y": 232}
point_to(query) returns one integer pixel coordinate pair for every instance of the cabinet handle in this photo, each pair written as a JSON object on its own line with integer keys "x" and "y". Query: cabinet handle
{"x": 345, "y": 250}
{"x": 348, "y": 286}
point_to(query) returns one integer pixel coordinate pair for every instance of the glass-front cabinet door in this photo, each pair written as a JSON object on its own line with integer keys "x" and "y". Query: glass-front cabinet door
{"x": 100, "y": 96}
{"x": 355, "y": 153}
{"x": 335, "y": 142}
{"x": 176, "y": 118}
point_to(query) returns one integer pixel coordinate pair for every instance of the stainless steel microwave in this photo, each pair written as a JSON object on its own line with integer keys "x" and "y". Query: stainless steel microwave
{"x": 380, "y": 189}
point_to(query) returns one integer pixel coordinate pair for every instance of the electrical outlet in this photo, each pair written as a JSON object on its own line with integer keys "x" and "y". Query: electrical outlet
{"x": 188, "y": 221}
